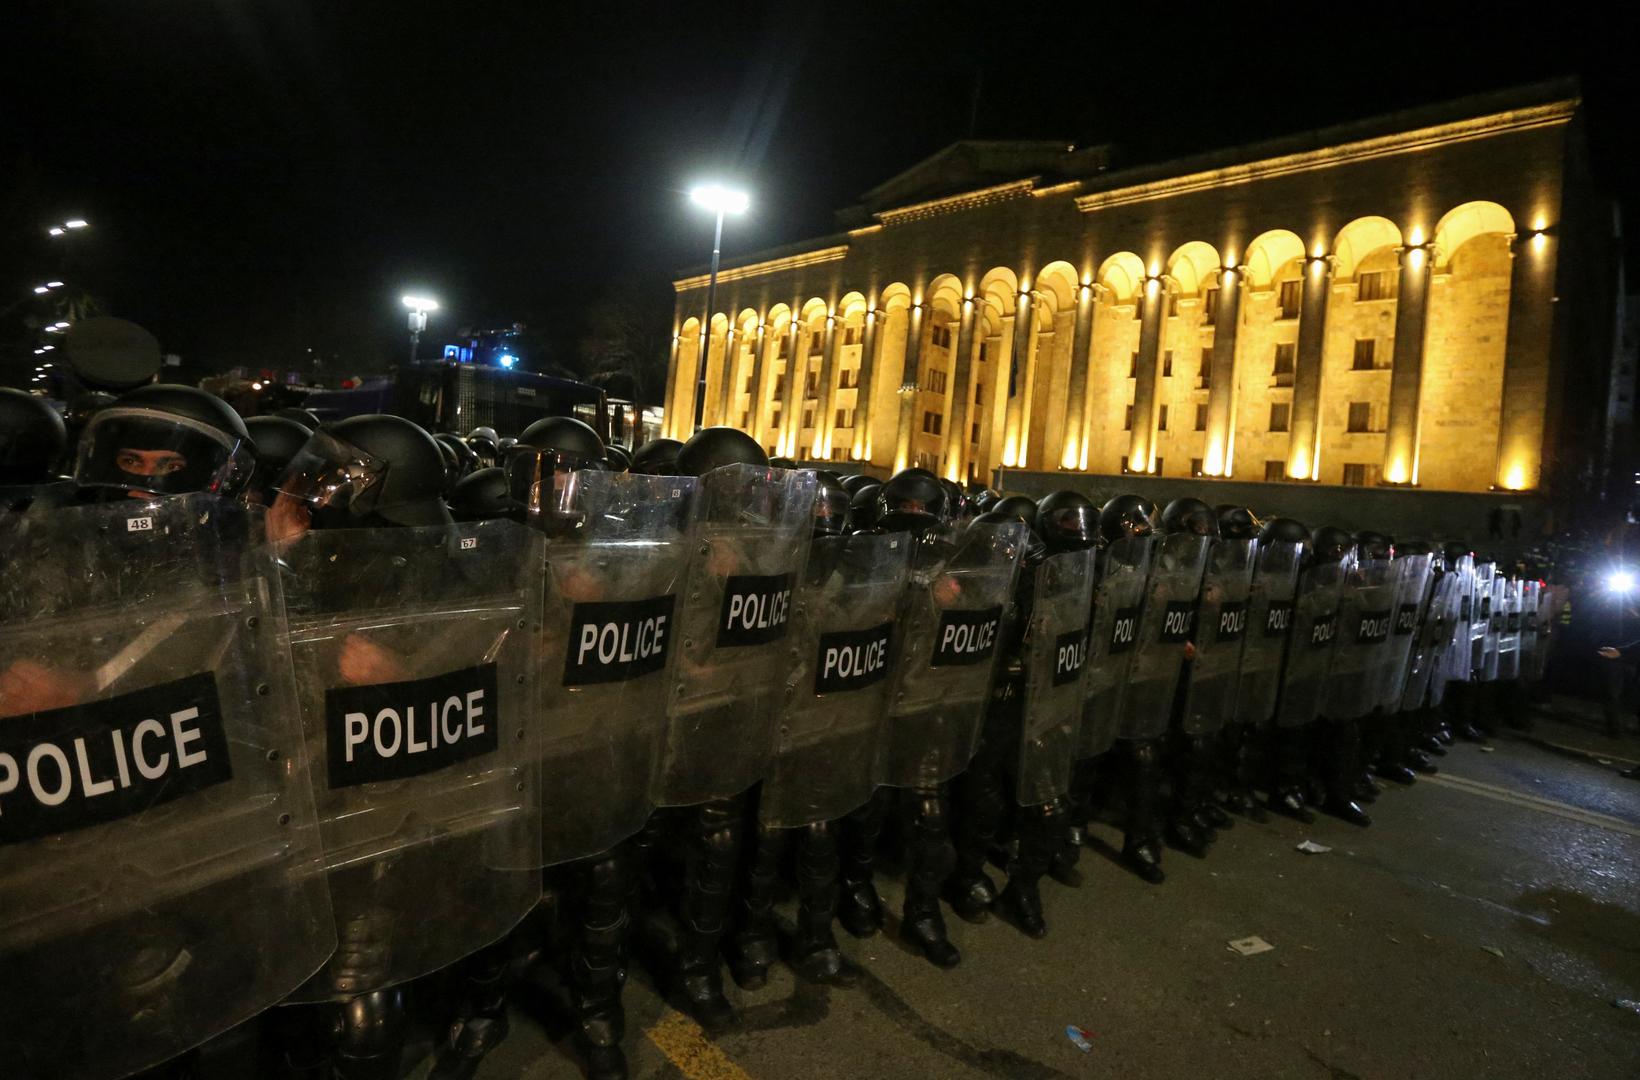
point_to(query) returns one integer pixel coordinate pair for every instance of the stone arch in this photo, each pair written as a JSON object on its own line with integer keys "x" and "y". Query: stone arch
{"x": 1124, "y": 275}
{"x": 1463, "y": 223}
{"x": 1361, "y": 239}
{"x": 1269, "y": 253}
{"x": 1048, "y": 375}
{"x": 1192, "y": 267}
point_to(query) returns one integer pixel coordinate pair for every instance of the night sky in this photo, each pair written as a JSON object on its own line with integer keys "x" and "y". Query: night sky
{"x": 267, "y": 177}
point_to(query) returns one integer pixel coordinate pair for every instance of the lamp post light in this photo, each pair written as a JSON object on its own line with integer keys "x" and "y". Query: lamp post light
{"x": 719, "y": 200}
{"x": 419, "y": 307}
{"x": 71, "y": 225}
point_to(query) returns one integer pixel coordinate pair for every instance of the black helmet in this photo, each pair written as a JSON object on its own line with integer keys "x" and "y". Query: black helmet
{"x": 1190, "y": 516}
{"x": 306, "y": 417}
{"x": 1236, "y": 522}
{"x": 452, "y": 466}
{"x": 485, "y": 450}
{"x": 165, "y": 439}
{"x": 1035, "y": 549}
{"x": 1018, "y": 507}
{"x": 780, "y": 462}
{"x": 912, "y": 491}
{"x": 1332, "y": 543}
{"x": 854, "y": 483}
{"x": 278, "y": 440}
{"x": 1374, "y": 545}
{"x": 1284, "y": 531}
{"x": 549, "y": 452}
{"x": 481, "y": 496}
{"x": 714, "y": 447}
{"x": 505, "y": 443}
{"x": 366, "y": 471}
{"x": 483, "y": 432}
{"x": 82, "y": 407}
{"x": 617, "y": 457}
{"x": 956, "y": 500}
{"x": 831, "y": 507}
{"x": 1414, "y": 547}
{"x": 985, "y": 500}
{"x": 863, "y": 507}
{"x": 1067, "y": 521}
{"x": 657, "y": 457}
{"x": 1454, "y": 550}
{"x": 1127, "y": 515}
{"x": 32, "y": 438}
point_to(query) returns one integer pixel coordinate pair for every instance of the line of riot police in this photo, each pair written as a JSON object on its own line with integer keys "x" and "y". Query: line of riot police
{"x": 313, "y": 721}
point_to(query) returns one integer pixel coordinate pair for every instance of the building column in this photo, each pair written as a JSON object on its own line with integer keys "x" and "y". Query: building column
{"x": 908, "y": 386}
{"x": 961, "y": 394}
{"x": 760, "y": 374}
{"x": 1221, "y": 391}
{"x": 1142, "y": 440}
{"x": 1527, "y": 352}
{"x": 1406, "y": 377}
{"x": 1013, "y": 439}
{"x": 671, "y": 416}
{"x": 797, "y": 371}
{"x": 1305, "y": 442}
{"x": 1076, "y": 426}
{"x": 726, "y": 380}
{"x": 823, "y": 428}
{"x": 862, "y": 395}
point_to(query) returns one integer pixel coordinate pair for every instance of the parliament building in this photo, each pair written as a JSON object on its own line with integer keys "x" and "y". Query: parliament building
{"x": 1418, "y": 301}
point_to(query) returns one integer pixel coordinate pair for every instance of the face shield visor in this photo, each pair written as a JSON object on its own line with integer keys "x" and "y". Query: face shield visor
{"x": 331, "y": 475}
{"x": 546, "y": 483}
{"x": 160, "y": 453}
{"x": 1070, "y": 527}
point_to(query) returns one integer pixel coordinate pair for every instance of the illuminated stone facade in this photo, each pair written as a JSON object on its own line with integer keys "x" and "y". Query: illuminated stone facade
{"x": 1371, "y": 304}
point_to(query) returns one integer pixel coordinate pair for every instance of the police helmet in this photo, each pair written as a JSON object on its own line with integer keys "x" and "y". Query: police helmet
{"x": 1188, "y": 515}
{"x": 863, "y": 507}
{"x": 1127, "y": 515}
{"x": 831, "y": 507}
{"x": 277, "y": 440}
{"x": 1018, "y": 507}
{"x": 1284, "y": 531}
{"x": 856, "y": 481}
{"x": 32, "y": 438}
{"x": 1067, "y": 521}
{"x": 617, "y": 457}
{"x": 165, "y": 439}
{"x": 714, "y": 447}
{"x": 364, "y": 471}
{"x": 1374, "y": 545}
{"x": 1331, "y": 543}
{"x": 912, "y": 491}
{"x": 541, "y": 467}
{"x": 306, "y": 417}
{"x": 1236, "y": 522}
{"x": 481, "y": 496}
{"x": 657, "y": 457}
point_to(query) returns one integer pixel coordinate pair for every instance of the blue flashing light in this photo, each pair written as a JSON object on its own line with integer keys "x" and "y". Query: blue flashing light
{"x": 508, "y": 360}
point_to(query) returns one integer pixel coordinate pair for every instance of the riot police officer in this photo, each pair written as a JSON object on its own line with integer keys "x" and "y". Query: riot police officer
{"x": 32, "y": 440}
{"x": 277, "y": 440}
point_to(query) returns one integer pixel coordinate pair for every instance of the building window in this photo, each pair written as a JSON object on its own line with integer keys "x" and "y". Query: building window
{"x": 936, "y": 381}
{"x": 1364, "y": 348}
{"x": 941, "y": 336}
{"x": 1167, "y": 364}
{"x": 1356, "y": 475}
{"x": 746, "y": 385}
{"x": 1127, "y": 424}
{"x": 1173, "y": 305}
{"x": 973, "y": 435}
{"x": 1360, "y": 416}
{"x": 845, "y": 418}
{"x": 1283, "y": 368}
{"x": 933, "y": 423}
{"x": 1201, "y": 417}
{"x": 1289, "y": 297}
{"x": 785, "y": 350}
{"x": 1161, "y": 419}
{"x": 808, "y": 416}
{"x": 1133, "y": 365}
{"x": 1124, "y": 463}
{"x": 1210, "y": 306}
{"x": 1205, "y": 382}
{"x": 779, "y": 386}
{"x": 1195, "y": 466}
{"x": 849, "y": 379}
{"x": 1275, "y": 470}
{"x": 811, "y": 385}
{"x": 1157, "y": 466}
{"x": 1374, "y": 285}
{"x": 851, "y": 335}
{"x": 745, "y": 420}
{"x": 979, "y": 393}
{"x": 774, "y": 413}
{"x": 1280, "y": 411}
{"x": 817, "y": 341}
{"x": 984, "y": 351}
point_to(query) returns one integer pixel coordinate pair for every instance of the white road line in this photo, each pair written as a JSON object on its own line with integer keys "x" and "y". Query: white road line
{"x": 1533, "y": 802}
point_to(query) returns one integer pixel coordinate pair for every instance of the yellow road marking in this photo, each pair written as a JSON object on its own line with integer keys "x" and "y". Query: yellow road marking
{"x": 686, "y": 1046}
{"x": 1532, "y": 802}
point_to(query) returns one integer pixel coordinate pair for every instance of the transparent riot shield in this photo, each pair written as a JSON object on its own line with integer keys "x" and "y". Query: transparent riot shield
{"x": 1497, "y": 617}
{"x": 1509, "y": 637}
{"x": 1055, "y": 652}
{"x": 1270, "y": 603}
{"x": 951, "y": 622}
{"x": 1411, "y": 574}
{"x": 1310, "y": 642}
{"x": 160, "y": 871}
{"x": 1167, "y": 622}
{"x": 749, "y": 534}
{"x": 608, "y": 638}
{"x": 1457, "y": 662}
{"x": 416, "y": 662}
{"x": 829, "y": 741}
{"x": 1481, "y": 641}
{"x": 1118, "y": 600}
{"x": 1426, "y": 673}
{"x": 1366, "y": 620}
{"x": 1221, "y": 633}
{"x": 1530, "y": 595}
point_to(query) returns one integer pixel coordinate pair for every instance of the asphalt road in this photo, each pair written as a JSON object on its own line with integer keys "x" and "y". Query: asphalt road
{"x": 1482, "y": 927}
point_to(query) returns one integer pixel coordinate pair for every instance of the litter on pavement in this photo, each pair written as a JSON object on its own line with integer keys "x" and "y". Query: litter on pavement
{"x": 1310, "y": 847}
{"x": 1250, "y": 946}
{"x": 1082, "y": 1037}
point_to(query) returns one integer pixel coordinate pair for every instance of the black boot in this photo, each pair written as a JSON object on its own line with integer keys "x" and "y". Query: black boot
{"x": 815, "y": 954}
{"x": 597, "y": 973}
{"x": 859, "y": 908}
{"x": 932, "y": 860}
{"x": 481, "y": 1023}
{"x": 1341, "y": 770}
{"x": 368, "y": 1036}
{"x": 1141, "y": 845}
{"x": 755, "y": 944}
{"x": 714, "y": 847}
{"x": 981, "y": 803}
{"x": 1040, "y": 828}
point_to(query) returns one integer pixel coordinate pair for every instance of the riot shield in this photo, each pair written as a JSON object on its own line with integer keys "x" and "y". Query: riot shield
{"x": 1118, "y": 600}
{"x": 416, "y": 663}
{"x": 1426, "y": 675}
{"x": 1480, "y": 623}
{"x": 1167, "y": 622}
{"x": 1530, "y": 596}
{"x": 1221, "y": 631}
{"x": 1509, "y": 637}
{"x": 1411, "y": 574}
{"x": 160, "y": 871}
{"x": 749, "y": 534}
{"x": 1310, "y": 643}
{"x": 1366, "y": 618}
{"x": 951, "y": 620}
{"x": 1270, "y": 603}
{"x": 1457, "y": 664}
{"x": 1494, "y": 625}
{"x": 609, "y": 634}
{"x": 1055, "y": 651}
{"x": 828, "y": 748}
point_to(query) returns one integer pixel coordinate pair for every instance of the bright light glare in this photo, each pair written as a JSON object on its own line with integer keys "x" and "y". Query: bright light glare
{"x": 1620, "y": 582}
{"x": 508, "y": 360}
{"x": 38, "y": 289}
{"x": 54, "y": 284}
{"x": 420, "y": 303}
{"x": 76, "y": 223}
{"x": 55, "y": 230}
{"x": 256, "y": 386}
{"x": 59, "y": 326}
{"x": 720, "y": 199}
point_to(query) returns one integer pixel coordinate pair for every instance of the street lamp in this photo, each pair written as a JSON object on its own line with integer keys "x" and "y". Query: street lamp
{"x": 419, "y": 307}
{"x": 720, "y": 200}
{"x": 66, "y": 226}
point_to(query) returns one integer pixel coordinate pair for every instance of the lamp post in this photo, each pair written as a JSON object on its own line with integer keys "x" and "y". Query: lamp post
{"x": 720, "y": 200}
{"x": 419, "y": 307}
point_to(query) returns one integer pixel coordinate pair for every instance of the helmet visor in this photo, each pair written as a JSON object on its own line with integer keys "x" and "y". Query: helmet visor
{"x": 160, "y": 453}
{"x": 1070, "y": 522}
{"x": 546, "y": 483}
{"x": 328, "y": 473}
